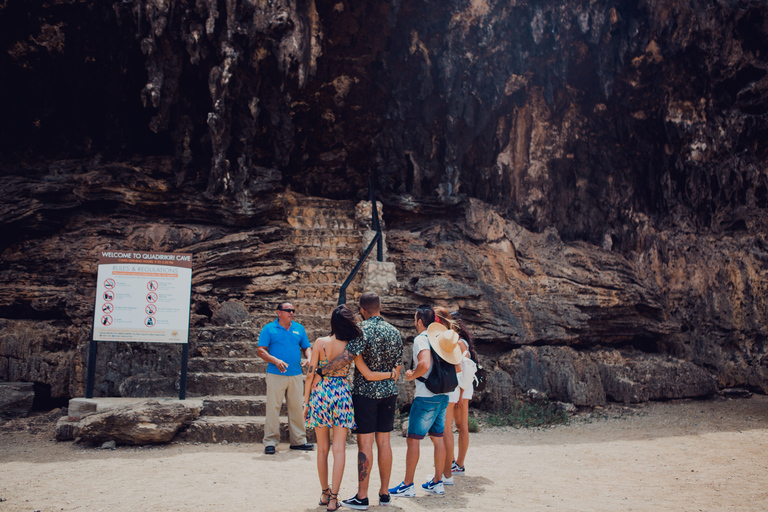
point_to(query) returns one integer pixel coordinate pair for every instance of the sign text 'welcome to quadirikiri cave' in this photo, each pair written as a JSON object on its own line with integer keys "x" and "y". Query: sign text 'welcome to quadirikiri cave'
{"x": 143, "y": 296}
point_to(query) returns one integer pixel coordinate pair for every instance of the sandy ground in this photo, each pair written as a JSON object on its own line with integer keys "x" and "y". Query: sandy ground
{"x": 688, "y": 455}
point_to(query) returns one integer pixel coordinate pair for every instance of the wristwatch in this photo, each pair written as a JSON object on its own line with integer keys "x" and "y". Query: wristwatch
{"x": 319, "y": 371}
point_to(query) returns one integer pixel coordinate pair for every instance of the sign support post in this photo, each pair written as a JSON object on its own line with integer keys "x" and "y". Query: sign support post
{"x": 183, "y": 377}
{"x": 91, "y": 367}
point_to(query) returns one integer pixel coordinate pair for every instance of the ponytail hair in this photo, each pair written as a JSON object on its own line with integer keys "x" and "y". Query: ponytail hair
{"x": 443, "y": 316}
{"x": 461, "y": 329}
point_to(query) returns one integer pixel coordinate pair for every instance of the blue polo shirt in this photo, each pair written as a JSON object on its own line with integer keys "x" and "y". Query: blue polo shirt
{"x": 286, "y": 345}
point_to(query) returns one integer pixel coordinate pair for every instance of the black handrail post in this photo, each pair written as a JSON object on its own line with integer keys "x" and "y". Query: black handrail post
{"x": 378, "y": 239}
{"x": 351, "y": 276}
{"x": 374, "y": 213}
{"x": 375, "y": 225}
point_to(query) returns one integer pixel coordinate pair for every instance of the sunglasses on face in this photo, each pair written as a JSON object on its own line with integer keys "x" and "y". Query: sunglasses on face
{"x": 288, "y": 310}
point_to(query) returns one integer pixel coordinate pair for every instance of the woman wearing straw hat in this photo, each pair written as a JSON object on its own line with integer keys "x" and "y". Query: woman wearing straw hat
{"x": 427, "y": 414}
{"x": 458, "y": 404}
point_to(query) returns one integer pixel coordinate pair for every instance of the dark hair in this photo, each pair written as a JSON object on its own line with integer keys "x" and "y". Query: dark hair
{"x": 280, "y": 305}
{"x": 370, "y": 302}
{"x": 426, "y": 314}
{"x": 460, "y": 327}
{"x": 343, "y": 324}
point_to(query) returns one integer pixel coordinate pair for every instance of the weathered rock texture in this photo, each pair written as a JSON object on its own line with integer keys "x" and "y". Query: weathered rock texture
{"x": 16, "y": 399}
{"x": 585, "y": 180}
{"x": 149, "y": 422}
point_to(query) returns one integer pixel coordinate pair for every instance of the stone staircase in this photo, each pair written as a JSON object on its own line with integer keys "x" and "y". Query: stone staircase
{"x": 226, "y": 372}
{"x": 328, "y": 241}
{"x": 224, "y": 369}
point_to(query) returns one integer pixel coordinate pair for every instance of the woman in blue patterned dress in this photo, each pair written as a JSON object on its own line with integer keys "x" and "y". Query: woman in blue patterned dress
{"x": 328, "y": 402}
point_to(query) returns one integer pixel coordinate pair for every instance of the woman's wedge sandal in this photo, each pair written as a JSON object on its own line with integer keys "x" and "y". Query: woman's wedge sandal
{"x": 333, "y": 497}
{"x": 326, "y": 494}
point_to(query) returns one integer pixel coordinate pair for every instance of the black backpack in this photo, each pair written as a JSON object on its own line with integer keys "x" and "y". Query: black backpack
{"x": 443, "y": 378}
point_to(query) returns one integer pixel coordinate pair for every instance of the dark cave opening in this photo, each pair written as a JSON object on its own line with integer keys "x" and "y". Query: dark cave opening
{"x": 43, "y": 400}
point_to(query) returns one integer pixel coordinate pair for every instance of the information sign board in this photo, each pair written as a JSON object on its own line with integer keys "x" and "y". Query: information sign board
{"x": 143, "y": 297}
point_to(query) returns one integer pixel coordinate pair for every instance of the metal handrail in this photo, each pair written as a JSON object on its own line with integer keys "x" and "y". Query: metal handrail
{"x": 378, "y": 239}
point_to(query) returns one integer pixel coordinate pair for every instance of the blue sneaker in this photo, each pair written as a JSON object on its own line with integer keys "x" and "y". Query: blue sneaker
{"x": 434, "y": 487}
{"x": 404, "y": 491}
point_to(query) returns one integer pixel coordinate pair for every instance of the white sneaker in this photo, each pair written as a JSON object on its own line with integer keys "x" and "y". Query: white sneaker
{"x": 433, "y": 487}
{"x": 446, "y": 481}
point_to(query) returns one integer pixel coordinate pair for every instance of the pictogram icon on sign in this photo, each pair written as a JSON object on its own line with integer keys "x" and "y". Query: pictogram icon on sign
{"x": 109, "y": 284}
{"x": 106, "y": 320}
{"x": 151, "y": 309}
{"x": 108, "y": 307}
{"x": 151, "y": 297}
{"x": 149, "y": 321}
{"x": 152, "y": 286}
{"x": 109, "y": 295}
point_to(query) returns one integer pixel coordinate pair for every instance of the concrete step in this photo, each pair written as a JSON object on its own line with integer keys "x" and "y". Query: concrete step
{"x": 227, "y": 365}
{"x": 234, "y": 429}
{"x": 313, "y": 279}
{"x": 325, "y": 204}
{"x": 342, "y": 255}
{"x": 335, "y": 266}
{"x": 221, "y": 334}
{"x": 324, "y": 221}
{"x": 202, "y": 384}
{"x": 327, "y": 237}
{"x": 232, "y": 349}
{"x": 224, "y": 405}
{"x": 312, "y": 206}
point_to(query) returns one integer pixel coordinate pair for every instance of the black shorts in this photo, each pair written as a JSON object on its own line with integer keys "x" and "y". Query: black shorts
{"x": 374, "y": 414}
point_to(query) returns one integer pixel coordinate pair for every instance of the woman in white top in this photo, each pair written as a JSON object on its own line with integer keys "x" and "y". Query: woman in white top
{"x": 461, "y": 413}
{"x": 458, "y": 402}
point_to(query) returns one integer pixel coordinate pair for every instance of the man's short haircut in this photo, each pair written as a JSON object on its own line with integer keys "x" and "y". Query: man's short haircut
{"x": 369, "y": 301}
{"x": 426, "y": 314}
{"x": 280, "y": 305}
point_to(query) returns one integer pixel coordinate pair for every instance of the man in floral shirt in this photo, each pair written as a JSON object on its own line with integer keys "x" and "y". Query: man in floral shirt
{"x": 382, "y": 350}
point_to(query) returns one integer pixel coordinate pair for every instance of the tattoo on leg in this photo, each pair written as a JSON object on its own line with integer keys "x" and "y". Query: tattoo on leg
{"x": 363, "y": 465}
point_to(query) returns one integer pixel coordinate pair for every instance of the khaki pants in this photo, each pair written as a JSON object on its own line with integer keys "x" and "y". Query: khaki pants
{"x": 292, "y": 389}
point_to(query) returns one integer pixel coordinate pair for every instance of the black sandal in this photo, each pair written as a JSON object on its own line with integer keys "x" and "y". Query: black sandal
{"x": 334, "y": 497}
{"x": 326, "y": 492}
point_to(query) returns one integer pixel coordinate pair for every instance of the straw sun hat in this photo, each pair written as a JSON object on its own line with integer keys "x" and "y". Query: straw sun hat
{"x": 445, "y": 342}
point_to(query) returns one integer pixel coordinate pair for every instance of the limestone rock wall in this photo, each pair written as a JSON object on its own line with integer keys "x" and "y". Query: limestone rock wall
{"x": 587, "y": 175}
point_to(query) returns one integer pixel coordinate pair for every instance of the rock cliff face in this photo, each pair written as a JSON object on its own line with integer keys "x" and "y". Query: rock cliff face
{"x": 585, "y": 180}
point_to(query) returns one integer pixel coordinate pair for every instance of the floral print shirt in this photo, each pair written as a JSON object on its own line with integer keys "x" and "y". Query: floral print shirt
{"x": 382, "y": 348}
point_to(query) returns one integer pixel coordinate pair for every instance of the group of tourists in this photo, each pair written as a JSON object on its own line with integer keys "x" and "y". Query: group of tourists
{"x": 444, "y": 358}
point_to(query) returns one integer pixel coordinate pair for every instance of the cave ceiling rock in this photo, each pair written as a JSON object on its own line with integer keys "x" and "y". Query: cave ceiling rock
{"x": 241, "y": 38}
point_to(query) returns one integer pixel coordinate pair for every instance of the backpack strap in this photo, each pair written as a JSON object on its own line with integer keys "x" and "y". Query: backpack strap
{"x": 434, "y": 355}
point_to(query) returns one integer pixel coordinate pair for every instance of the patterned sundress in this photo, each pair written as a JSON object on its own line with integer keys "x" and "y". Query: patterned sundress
{"x": 330, "y": 404}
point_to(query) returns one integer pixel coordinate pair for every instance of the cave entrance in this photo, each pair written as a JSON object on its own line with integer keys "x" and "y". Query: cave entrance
{"x": 43, "y": 400}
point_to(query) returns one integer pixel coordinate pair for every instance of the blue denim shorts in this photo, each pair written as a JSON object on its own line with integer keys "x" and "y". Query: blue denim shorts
{"x": 427, "y": 416}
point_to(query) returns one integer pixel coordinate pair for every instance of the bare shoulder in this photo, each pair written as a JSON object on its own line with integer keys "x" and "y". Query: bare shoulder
{"x": 320, "y": 341}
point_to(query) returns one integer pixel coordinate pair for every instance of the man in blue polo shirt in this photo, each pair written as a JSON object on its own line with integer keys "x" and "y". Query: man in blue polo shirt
{"x": 280, "y": 344}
